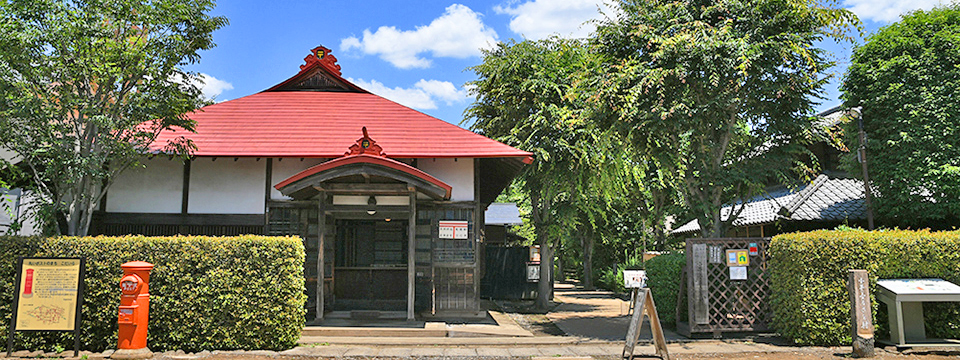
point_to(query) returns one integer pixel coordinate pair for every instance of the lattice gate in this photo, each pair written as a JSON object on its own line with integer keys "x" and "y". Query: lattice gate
{"x": 716, "y": 302}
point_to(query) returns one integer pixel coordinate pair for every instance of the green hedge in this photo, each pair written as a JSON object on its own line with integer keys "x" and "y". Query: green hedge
{"x": 809, "y": 275}
{"x": 663, "y": 279}
{"x": 244, "y": 292}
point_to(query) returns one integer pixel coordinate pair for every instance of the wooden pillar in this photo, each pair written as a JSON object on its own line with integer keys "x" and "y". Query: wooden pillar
{"x": 321, "y": 227}
{"x": 411, "y": 253}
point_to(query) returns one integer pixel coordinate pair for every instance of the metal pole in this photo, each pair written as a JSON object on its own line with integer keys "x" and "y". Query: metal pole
{"x": 866, "y": 175}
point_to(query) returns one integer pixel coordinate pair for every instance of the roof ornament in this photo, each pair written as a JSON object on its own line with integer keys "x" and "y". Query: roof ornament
{"x": 365, "y": 145}
{"x": 321, "y": 55}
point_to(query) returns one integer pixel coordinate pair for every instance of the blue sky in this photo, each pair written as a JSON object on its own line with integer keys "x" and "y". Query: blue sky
{"x": 417, "y": 53}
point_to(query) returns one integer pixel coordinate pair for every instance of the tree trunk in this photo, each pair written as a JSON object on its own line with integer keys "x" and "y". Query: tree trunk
{"x": 545, "y": 286}
{"x": 586, "y": 243}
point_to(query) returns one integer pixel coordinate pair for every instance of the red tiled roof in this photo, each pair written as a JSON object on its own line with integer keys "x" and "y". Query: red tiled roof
{"x": 323, "y": 124}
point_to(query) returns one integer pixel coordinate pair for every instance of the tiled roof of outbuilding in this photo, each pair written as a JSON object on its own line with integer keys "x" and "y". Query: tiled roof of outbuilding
{"x": 824, "y": 199}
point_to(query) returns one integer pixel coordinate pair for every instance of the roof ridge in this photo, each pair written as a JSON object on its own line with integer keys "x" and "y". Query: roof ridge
{"x": 801, "y": 197}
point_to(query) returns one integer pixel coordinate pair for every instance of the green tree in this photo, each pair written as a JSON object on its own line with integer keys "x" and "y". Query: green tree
{"x": 716, "y": 96}
{"x": 523, "y": 99}
{"x": 86, "y": 86}
{"x": 906, "y": 79}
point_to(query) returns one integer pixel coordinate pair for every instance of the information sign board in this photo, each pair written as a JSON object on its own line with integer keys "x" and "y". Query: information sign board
{"x": 634, "y": 279}
{"x": 738, "y": 272}
{"x": 49, "y": 293}
{"x": 738, "y": 257}
{"x": 533, "y": 272}
{"x": 453, "y": 229}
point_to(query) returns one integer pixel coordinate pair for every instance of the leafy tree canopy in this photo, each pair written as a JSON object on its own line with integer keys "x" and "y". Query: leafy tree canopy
{"x": 716, "y": 96}
{"x": 86, "y": 86}
{"x": 906, "y": 79}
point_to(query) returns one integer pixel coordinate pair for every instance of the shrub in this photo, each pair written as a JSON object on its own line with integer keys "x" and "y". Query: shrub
{"x": 663, "y": 279}
{"x": 809, "y": 274}
{"x": 611, "y": 278}
{"x": 244, "y": 292}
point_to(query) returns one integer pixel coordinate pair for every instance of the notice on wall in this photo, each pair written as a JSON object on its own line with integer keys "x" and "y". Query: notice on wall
{"x": 738, "y": 273}
{"x": 48, "y": 294}
{"x": 533, "y": 272}
{"x": 716, "y": 254}
{"x": 453, "y": 229}
{"x": 738, "y": 257}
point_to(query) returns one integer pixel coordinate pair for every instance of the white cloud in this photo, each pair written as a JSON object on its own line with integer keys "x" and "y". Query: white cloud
{"x": 887, "y": 10}
{"x": 538, "y": 19}
{"x": 212, "y": 87}
{"x": 423, "y": 95}
{"x": 458, "y": 33}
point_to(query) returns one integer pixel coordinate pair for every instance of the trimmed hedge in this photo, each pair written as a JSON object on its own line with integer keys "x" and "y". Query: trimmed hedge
{"x": 663, "y": 279}
{"x": 809, "y": 276}
{"x": 244, "y": 292}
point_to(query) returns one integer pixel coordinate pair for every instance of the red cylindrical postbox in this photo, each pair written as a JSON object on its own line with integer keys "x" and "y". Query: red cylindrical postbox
{"x": 134, "y": 311}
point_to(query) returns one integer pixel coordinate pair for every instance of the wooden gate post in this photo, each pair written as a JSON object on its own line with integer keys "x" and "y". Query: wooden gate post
{"x": 861, "y": 314}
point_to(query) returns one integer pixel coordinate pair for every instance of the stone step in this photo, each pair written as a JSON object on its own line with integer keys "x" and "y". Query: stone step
{"x": 428, "y": 330}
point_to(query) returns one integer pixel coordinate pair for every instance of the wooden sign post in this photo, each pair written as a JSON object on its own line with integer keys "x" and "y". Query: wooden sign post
{"x": 861, "y": 314}
{"x": 643, "y": 305}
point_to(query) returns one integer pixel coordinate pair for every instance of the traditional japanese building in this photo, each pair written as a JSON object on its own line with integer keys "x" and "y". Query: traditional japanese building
{"x": 389, "y": 201}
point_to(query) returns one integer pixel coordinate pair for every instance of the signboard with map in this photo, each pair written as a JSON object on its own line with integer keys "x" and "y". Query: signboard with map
{"x": 49, "y": 295}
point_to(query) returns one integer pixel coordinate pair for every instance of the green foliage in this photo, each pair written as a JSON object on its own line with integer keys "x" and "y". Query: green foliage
{"x": 701, "y": 88}
{"x": 905, "y": 78}
{"x": 207, "y": 293}
{"x": 86, "y": 87}
{"x": 524, "y": 98}
{"x": 663, "y": 279}
{"x": 611, "y": 278}
{"x": 808, "y": 278}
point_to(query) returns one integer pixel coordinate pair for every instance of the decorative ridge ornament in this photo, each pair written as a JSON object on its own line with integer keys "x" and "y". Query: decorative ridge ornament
{"x": 322, "y": 56}
{"x": 365, "y": 146}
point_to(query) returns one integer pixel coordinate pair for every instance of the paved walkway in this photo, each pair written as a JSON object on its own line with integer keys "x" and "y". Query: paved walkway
{"x": 596, "y": 315}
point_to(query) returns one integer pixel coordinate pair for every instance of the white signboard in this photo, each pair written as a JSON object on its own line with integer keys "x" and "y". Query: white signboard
{"x": 738, "y": 273}
{"x": 634, "y": 279}
{"x": 453, "y": 229}
{"x": 533, "y": 272}
{"x": 920, "y": 286}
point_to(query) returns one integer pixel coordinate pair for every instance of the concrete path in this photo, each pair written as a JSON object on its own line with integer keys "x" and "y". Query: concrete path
{"x": 596, "y": 315}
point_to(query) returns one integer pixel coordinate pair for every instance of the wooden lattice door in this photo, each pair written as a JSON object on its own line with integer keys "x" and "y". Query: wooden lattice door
{"x": 717, "y": 299}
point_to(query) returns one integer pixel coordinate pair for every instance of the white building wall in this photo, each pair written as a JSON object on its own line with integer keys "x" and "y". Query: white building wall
{"x": 156, "y": 188}
{"x": 287, "y": 168}
{"x": 457, "y": 173}
{"x": 17, "y": 206}
{"x": 226, "y": 186}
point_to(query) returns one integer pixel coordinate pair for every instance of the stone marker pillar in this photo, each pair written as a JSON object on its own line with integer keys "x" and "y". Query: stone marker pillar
{"x": 861, "y": 315}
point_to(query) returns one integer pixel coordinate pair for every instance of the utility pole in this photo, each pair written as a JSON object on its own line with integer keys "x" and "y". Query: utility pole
{"x": 866, "y": 175}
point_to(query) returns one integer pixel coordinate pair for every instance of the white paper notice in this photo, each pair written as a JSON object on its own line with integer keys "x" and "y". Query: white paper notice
{"x": 738, "y": 273}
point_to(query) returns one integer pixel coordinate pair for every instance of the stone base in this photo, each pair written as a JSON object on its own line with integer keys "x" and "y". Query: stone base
{"x": 132, "y": 354}
{"x": 863, "y": 347}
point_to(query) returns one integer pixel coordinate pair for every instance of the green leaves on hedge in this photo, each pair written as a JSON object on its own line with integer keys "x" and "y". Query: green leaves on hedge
{"x": 809, "y": 276}
{"x": 244, "y": 292}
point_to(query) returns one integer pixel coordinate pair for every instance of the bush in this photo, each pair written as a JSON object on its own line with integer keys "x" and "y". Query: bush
{"x": 809, "y": 275}
{"x": 663, "y": 279}
{"x": 611, "y": 278}
{"x": 244, "y": 292}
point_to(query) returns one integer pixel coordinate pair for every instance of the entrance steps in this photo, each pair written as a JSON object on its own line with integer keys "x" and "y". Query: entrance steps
{"x": 388, "y": 325}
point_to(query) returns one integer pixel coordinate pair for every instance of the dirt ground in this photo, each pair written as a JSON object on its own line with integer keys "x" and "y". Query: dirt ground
{"x": 822, "y": 354}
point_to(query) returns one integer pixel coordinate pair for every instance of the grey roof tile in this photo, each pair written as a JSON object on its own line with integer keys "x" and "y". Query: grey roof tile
{"x": 824, "y": 199}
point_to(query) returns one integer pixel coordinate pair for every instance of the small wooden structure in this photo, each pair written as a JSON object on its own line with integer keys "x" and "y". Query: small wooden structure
{"x": 720, "y": 297}
{"x": 642, "y": 303}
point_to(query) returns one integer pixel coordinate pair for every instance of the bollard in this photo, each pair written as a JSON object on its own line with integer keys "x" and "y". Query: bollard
{"x": 134, "y": 311}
